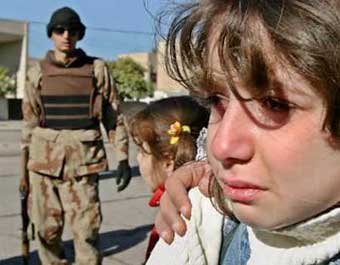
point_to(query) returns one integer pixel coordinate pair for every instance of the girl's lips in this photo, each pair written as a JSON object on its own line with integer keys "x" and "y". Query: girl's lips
{"x": 240, "y": 191}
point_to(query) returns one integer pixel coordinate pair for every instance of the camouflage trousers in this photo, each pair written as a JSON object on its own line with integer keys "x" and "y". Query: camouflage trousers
{"x": 52, "y": 200}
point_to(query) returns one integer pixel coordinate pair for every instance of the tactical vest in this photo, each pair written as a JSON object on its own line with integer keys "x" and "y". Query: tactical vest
{"x": 67, "y": 95}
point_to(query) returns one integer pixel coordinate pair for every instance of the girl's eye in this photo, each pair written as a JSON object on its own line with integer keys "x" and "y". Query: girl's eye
{"x": 275, "y": 104}
{"x": 140, "y": 150}
{"x": 218, "y": 103}
{"x": 272, "y": 111}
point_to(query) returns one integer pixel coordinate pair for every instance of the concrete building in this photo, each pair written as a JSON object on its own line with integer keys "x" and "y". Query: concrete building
{"x": 13, "y": 50}
{"x": 13, "y": 56}
{"x": 155, "y": 72}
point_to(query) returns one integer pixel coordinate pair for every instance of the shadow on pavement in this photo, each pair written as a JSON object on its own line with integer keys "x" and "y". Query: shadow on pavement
{"x": 117, "y": 241}
{"x": 111, "y": 243}
{"x": 34, "y": 260}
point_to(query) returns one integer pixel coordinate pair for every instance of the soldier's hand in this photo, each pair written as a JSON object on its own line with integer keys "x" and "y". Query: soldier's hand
{"x": 23, "y": 186}
{"x": 175, "y": 200}
{"x": 24, "y": 181}
{"x": 123, "y": 176}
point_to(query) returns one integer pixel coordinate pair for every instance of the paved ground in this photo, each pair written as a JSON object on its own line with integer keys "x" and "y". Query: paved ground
{"x": 127, "y": 218}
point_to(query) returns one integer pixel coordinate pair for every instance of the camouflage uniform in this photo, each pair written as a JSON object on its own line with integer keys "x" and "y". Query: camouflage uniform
{"x": 64, "y": 165}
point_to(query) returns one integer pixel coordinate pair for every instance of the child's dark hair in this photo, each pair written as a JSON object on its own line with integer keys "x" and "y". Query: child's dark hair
{"x": 151, "y": 126}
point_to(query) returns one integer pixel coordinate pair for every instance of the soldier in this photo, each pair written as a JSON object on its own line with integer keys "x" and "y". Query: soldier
{"x": 68, "y": 95}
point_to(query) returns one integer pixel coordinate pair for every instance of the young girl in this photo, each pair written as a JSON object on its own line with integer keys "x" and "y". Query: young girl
{"x": 270, "y": 73}
{"x": 166, "y": 132}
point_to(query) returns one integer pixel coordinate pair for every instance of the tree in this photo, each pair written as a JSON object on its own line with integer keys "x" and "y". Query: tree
{"x": 130, "y": 78}
{"x": 7, "y": 82}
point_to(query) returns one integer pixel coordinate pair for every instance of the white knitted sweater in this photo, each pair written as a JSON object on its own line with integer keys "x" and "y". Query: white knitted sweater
{"x": 201, "y": 243}
{"x": 311, "y": 242}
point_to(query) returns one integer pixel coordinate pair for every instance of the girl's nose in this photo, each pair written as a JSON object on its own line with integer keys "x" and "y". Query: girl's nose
{"x": 232, "y": 136}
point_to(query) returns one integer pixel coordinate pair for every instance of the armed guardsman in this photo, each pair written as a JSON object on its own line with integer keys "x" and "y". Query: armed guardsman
{"x": 68, "y": 95}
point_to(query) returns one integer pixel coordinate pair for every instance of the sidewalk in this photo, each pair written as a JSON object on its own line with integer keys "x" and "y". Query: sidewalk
{"x": 10, "y": 125}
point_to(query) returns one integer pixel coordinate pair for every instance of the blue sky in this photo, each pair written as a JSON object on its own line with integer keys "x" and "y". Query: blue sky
{"x": 121, "y": 15}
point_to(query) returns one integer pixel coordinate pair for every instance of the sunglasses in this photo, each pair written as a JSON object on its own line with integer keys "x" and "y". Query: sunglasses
{"x": 61, "y": 30}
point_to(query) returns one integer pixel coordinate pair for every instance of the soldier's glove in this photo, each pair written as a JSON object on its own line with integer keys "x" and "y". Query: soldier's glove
{"x": 123, "y": 175}
{"x": 24, "y": 181}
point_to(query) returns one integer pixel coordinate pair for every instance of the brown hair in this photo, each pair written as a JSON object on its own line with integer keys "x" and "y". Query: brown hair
{"x": 151, "y": 126}
{"x": 305, "y": 34}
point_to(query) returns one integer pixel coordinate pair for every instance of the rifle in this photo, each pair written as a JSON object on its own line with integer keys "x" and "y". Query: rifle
{"x": 24, "y": 191}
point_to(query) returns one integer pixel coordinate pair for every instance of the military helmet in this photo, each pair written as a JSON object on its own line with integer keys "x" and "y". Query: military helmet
{"x": 66, "y": 17}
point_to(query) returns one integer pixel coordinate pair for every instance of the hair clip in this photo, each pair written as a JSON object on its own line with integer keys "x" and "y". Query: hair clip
{"x": 175, "y": 130}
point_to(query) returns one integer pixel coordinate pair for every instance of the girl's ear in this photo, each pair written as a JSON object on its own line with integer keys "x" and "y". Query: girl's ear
{"x": 168, "y": 167}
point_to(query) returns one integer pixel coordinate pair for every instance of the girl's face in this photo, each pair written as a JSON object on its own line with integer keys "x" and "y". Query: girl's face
{"x": 273, "y": 160}
{"x": 148, "y": 170}
{"x": 145, "y": 162}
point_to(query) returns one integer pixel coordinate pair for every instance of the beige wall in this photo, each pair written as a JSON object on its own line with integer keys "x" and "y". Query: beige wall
{"x": 21, "y": 79}
{"x": 10, "y": 55}
{"x": 164, "y": 82}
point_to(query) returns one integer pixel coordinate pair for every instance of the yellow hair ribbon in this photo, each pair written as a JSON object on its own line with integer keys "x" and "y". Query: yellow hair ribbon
{"x": 186, "y": 128}
{"x": 175, "y": 130}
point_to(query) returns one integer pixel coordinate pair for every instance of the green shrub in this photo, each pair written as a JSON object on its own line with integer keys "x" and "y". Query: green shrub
{"x": 7, "y": 82}
{"x": 129, "y": 76}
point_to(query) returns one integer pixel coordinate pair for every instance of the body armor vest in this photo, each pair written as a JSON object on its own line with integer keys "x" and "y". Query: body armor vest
{"x": 67, "y": 95}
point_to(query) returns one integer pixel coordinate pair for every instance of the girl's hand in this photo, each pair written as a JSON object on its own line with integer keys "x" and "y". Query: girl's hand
{"x": 175, "y": 201}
